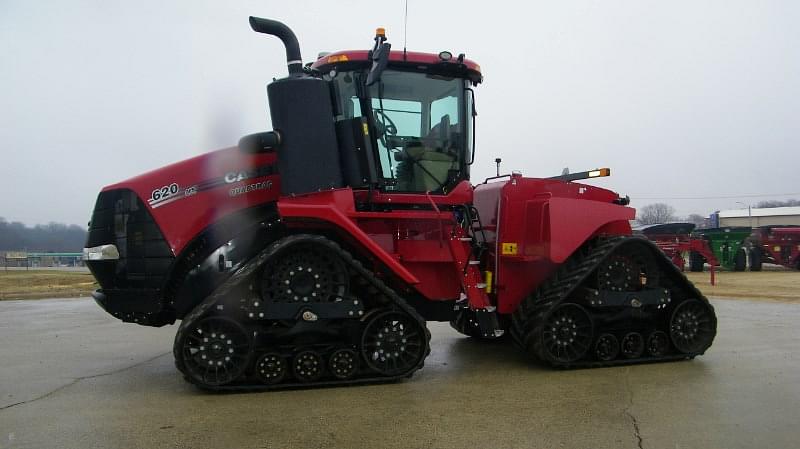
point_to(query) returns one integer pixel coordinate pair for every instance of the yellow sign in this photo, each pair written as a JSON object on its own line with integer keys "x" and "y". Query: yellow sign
{"x": 508, "y": 249}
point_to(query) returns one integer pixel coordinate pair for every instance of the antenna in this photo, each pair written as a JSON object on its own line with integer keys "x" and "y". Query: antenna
{"x": 405, "y": 31}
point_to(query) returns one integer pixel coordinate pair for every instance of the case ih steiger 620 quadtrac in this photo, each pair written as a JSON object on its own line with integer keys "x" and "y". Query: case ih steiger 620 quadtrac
{"x": 314, "y": 254}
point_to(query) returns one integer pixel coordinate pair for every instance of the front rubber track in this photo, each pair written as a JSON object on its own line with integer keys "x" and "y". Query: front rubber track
{"x": 246, "y": 272}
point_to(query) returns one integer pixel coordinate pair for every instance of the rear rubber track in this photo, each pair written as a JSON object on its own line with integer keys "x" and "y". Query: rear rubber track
{"x": 529, "y": 318}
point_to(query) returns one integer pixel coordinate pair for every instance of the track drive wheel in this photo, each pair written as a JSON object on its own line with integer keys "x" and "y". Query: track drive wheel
{"x": 215, "y": 351}
{"x": 618, "y": 273}
{"x": 567, "y": 334}
{"x": 307, "y": 273}
{"x": 631, "y": 268}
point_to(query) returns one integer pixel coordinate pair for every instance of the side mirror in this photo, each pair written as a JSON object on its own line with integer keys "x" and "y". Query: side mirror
{"x": 380, "y": 59}
{"x": 474, "y": 113}
{"x": 264, "y": 142}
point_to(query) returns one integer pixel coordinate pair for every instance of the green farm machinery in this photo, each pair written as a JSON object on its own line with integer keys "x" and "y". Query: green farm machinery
{"x": 728, "y": 245}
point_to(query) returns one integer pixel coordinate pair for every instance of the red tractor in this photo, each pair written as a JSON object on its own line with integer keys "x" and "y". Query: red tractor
{"x": 313, "y": 254}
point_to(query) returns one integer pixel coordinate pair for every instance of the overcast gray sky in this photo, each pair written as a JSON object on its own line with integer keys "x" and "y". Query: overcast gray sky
{"x": 682, "y": 99}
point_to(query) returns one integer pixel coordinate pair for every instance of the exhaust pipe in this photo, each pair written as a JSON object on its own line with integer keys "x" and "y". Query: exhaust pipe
{"x": 286, "y": 35}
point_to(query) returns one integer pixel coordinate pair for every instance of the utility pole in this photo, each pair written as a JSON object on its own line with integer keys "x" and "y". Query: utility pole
{"x": 749, "y": 213}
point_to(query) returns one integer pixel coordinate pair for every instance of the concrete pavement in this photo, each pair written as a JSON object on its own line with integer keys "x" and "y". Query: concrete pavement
{"x": 72, "y": 376}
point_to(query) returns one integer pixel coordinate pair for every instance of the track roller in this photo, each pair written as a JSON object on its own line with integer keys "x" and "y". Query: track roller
{"x": 271, "y": 368}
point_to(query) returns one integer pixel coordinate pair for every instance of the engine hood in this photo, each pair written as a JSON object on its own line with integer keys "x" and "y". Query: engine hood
{"x": 187, "y": 196}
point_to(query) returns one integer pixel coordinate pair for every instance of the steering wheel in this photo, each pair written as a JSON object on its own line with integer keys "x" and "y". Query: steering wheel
{"x": 384, "y": 124}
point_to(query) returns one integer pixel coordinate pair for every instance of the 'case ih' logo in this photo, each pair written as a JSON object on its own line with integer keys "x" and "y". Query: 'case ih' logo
{"x": 236, "y": 176}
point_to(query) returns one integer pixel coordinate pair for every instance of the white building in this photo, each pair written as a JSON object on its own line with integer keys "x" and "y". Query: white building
{"x": 760, "y": 217}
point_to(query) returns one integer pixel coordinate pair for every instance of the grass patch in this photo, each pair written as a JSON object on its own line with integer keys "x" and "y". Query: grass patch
{"x": 37, "y": 284}
{"x": 783, "y": 285}
{"x": 775, "y": 285}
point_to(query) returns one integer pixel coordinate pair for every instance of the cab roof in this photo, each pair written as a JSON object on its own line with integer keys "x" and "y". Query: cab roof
{"x": 400, "y": 58}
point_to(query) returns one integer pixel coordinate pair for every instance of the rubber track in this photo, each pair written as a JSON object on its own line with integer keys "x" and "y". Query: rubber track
{"x": 528, "y": 319}
{"x": 250, "y": 269}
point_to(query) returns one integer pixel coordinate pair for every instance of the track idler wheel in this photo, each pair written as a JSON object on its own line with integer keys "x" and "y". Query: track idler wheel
{"x": 392, "y": 343}
{"x": 215, "y": 351}
{"x": 692, "y": 327}
{"x": 567, "y": 334}
{"x": 271, "y": 368}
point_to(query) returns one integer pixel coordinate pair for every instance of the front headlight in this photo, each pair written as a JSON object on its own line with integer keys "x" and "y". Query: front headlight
{"x": 102, "y": 252}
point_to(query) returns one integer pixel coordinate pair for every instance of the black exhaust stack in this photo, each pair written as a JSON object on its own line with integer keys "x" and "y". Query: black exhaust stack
{"x": 286, "y": 35}
{"x": 302, "y": 115}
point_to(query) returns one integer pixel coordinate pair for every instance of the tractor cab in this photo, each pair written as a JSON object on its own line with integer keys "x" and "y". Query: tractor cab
{"x": 403, "y": 122}
{"x": 413, "y": 116}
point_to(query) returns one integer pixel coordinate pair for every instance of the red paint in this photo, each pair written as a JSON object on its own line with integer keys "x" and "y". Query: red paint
{"x": 183, "y": 219}
{"x": 420, "y": 242}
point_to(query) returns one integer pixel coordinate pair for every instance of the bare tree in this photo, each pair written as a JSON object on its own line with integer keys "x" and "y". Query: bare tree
{"x": 656, "y": 213}
{"x": 697, "y": 219}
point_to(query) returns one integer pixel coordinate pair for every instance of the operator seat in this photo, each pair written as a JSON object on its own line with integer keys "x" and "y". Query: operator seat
{"x": 433, "y": 156}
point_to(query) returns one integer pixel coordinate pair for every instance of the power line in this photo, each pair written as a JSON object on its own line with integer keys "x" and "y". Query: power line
{"x": 720, "y": 197}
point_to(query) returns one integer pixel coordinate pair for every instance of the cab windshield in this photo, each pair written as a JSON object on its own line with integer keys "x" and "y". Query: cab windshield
{"x": 419, "y": 124}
